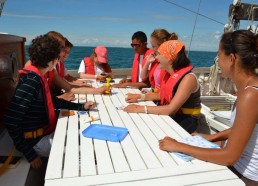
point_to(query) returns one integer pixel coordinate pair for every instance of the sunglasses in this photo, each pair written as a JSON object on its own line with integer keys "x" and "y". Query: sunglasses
{"x": 135, "y": 45}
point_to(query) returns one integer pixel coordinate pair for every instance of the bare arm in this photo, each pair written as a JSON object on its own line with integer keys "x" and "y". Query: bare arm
{"x": 185, "y": 88}
{"x": 70, "y": 78}
{"x": 150, "y": 96}
{"x": 90, "y": 76}
{"x": 60, "y": 82}
{"x": 138, "y": 85}
{"x": 145, "y": 70}
{"x": 87, "y": 76}
{"x": 245, "y": 121}
{"x": 125, "y": 80}
{"x": 76, "y": 82}
{"x": 220, "y": 136}
{"x": 90, "y": 90}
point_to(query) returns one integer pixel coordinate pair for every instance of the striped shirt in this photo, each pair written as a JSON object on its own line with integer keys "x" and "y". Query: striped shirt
{"x": 27, "y": 112}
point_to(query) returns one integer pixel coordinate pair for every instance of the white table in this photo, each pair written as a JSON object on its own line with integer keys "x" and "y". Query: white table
{"x": 137, "y": 160}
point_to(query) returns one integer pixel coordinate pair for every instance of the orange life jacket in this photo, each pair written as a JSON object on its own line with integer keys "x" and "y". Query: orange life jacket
{"x": 46, "y": 96}
{"x": 136, "y": 62}
{"x": 168, "y": 88}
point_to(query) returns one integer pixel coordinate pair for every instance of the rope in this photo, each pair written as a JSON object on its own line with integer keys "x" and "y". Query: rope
{"x": 194, "y": 12}
{"x": 213, "y": 78}
{"x": 194, "y": 27}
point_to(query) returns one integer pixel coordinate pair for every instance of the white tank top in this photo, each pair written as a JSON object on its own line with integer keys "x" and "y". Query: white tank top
{"x": 247, "y": 165}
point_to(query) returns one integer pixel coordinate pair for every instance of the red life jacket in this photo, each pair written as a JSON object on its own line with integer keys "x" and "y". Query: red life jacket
{"x": 136, "y": 61}
{"x": 46, "y": 96}
{"x": 49, "y": 76}
{"x": 154, "y": 65}
{"x": 89, "y": 66}
{"x": 168, "y": 88}
{"x": 60, "y": 68}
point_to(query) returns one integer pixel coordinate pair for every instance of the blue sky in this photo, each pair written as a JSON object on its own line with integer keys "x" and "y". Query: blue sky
{"x": 112, "y": 22}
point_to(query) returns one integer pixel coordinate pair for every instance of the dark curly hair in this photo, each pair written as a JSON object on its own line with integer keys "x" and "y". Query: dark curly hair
{"x": 44, "y": 49}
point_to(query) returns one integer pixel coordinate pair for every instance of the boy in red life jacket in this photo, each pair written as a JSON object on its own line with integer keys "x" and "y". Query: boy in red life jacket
{"x": 62, "y": 71}
{"x": 30, "y": 117}
{"x": 179, "y": 96}
{"x": 139, "y": 44}
{"x": 150, "y": 70}
{"x": 96, "y": 66}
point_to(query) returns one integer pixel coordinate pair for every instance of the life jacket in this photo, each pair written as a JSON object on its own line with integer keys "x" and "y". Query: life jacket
{"x": 90, "y": 66}
{"x": 136, "y": 62}
{"x": 154, "y": 65}
{"x": 60, "y": 68}
{"x": 49, "y": 76}
{"x": 163, "y": 77}
{"x": 46, "y": 96}
{"x": 168, "y": 88}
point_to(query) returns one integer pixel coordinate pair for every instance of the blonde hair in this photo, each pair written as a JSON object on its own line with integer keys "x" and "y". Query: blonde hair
{"x": 162, "y": 35}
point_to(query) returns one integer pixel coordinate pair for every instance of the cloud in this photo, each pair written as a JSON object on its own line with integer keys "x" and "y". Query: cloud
{"x": 31, "y": 16}
{"x": 203, "y": 42}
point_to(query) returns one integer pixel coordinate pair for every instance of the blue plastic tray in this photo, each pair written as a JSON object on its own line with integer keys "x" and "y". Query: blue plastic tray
{"x": 105, "y": 132}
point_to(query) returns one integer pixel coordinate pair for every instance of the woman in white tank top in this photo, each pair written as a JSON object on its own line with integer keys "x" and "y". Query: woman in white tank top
{"x": 238, "y": 60}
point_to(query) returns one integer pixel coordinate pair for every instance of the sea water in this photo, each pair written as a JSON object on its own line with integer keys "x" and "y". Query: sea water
{"x": 123, "y": 57}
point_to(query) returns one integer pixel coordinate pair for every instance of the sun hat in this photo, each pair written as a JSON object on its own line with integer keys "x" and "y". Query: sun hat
{"x": 170, "y": 49}
{"x": 101, "y": 52}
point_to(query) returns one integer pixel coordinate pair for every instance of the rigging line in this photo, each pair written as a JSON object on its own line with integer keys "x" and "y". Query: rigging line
{"x": 194, "y": 27}
{"x": 194, "y": 12}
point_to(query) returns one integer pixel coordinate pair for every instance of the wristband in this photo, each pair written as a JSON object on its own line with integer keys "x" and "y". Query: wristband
{"x": 143, "y": 97}
{"x": 146, "y": 109}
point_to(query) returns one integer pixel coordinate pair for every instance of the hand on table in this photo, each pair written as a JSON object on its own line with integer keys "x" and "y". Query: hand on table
{"x": 125, "y": 80}
{"x": 132, "y": 98}
{"x": 68, "y": 96}
{"x": 168, "y": 144}
{"x": 89, "y": 105}
{"x": 101, "y": 78}
{"x": 133, "y": 108}
{"x": 102, "y": 89}
{"x": 83, "y": 83}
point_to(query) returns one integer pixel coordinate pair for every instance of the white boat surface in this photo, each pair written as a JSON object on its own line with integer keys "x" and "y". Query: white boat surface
{"x": 217, "y": 92}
